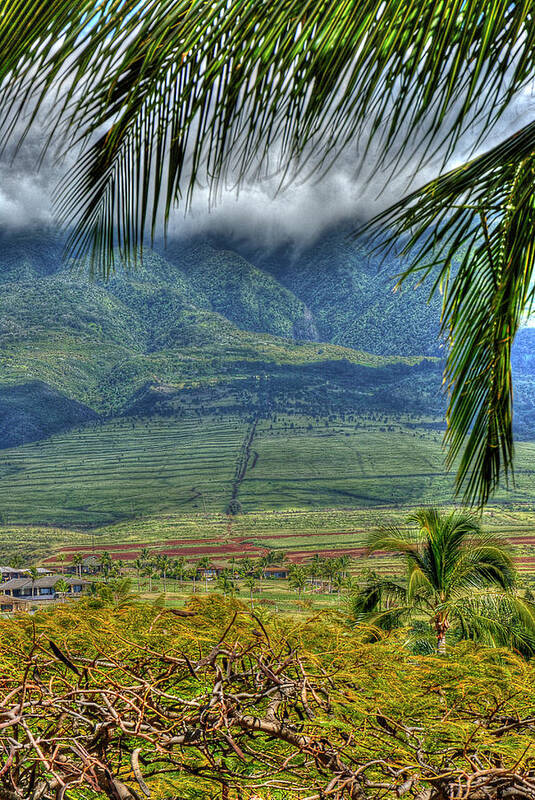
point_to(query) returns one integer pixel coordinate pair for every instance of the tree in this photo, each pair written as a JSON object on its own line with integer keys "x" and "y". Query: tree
{"x": 61, "y": 588}
{"x": 273, "y": 557}
{"x": 297, "y": 578}
{"x": 456, "y": 574}
{"x": 105, "y": 563}
{"x": 139, "y": 566}
{"x": 226, "y": 583}
{"x": 250, "y": 582}
{"x": 117, "y": 593}
{"x": 311, "y": 80}
{"x": 148, "y": 572}
{"x": 163, "y": 564}
{"x": 77, "y": 561}
{"x": 179, "y": 567}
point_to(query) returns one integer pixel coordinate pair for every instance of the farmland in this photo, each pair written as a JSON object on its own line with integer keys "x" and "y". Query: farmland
{"x": 299, "y": 534}
{"x": 104, "y": 473}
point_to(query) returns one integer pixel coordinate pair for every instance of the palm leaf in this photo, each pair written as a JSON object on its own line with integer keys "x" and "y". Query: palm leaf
{"x": 162, "y": 94}
{"x": 473, "y": 229}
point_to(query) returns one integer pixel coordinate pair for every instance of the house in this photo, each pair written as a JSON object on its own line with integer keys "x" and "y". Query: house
{"x": 8, "y": 573}
{"x": 42, "y": 571}
{"x": 210, "y": 572}
{"x": 90, "y": 565}
{"x": 275, "y": 571}
{"x": 42, "y": 588}
{"x": 13, "y": 604}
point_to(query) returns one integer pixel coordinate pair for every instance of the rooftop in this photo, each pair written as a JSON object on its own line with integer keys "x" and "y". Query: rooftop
{"x": 49, "y": 581}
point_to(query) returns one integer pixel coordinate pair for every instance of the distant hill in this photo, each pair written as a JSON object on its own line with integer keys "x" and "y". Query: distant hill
{"x": 200, "y": 327}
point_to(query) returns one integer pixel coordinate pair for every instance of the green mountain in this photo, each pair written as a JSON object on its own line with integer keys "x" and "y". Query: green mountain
{"x": 348, "y": 286}
{"x": 201, "y": 328}
{"x": 210, "y": 379}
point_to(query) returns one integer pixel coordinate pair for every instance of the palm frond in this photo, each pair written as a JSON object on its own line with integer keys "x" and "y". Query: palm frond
{"x": 473, "y": 228}
{"x": 160, "y": 94}
{"x": 393, "y": 538}
{"x": 499, "y": 619}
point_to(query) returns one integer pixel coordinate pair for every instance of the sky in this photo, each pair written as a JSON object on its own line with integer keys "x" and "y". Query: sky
{"x": 300, "y": 213}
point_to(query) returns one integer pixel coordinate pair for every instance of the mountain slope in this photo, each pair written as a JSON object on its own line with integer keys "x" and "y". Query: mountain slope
{"x": 201, "y": 328}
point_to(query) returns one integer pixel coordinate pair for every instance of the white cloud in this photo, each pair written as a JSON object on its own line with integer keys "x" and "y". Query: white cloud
{"x": 300, "y": 213}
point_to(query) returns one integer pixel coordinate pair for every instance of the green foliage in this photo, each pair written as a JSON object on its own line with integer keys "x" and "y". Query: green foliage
{"x": 204, "y": 332}
{"x": 311, "y": 78}
{"x": 393, "y": 717}
{"x": 456, "y": 574}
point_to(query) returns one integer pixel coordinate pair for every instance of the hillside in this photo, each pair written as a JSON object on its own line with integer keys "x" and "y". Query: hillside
{"x": 204, "y": 380}
{"x": 201, "y": 328}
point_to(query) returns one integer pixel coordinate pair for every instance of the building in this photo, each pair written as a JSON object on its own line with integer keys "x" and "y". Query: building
{"x": 91, "y": 565}
{"x": 12, "y": 605}
{"x": 275, "y": 571}
{"x": 43, "y": 588}
{"x": 9, "y": 573}
{"x": 210, "y": 572}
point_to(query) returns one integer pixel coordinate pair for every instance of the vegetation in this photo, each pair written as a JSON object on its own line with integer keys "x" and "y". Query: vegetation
{"x": 417, "y": 91}
{"x": 212, "y": 701}
{"x": 456, "y": 573}
{"x": 134, "y": 470}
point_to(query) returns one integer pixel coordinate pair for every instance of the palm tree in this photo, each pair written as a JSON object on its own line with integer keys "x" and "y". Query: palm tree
{"x": 105, "y": 563}
{"x": 61, "y": 587}
{"x": 33, "y": 575}
{"x": 163, "y": 564}
{"x": 273, "y": 557}
{"x": 311, "y": 79}
{"x": 456, "y": 575}
{"x": 226, "y": 583}
{"x": 297, "y": 578}
{"x": 138, "y": 566}
{"x": 118, "y": 593}
{"x": 148, "y": 572}
{"x": 77, "y": 561}
{"x": 179, "y": 566}
{"x": 250, "y": 582}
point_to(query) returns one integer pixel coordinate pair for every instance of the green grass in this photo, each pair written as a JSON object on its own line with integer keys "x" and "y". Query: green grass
{"x": 308, "y": 487}
{"x": 340, "y": 465}
{"x": 122, "y": 470}
{"x": 103, "y": 473}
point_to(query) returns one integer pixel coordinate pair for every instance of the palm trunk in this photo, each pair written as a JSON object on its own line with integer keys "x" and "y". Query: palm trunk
{"x": 441, "y": 626}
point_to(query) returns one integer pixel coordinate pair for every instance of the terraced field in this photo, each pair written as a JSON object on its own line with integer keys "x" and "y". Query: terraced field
{"x": 299, "y": 534}
{"x": 103, "y": 473}
{"x": 123, "y": 469}
{"x": 304, "y": 485}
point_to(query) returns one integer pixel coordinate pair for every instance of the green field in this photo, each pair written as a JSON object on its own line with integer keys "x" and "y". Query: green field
{"x": 124, "y": 469}
{"x": 304, "y": 485}
{"x": 102, "y": 473}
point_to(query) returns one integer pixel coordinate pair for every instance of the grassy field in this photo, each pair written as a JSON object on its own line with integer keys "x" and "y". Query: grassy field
{"x": 307, "y": 486}
{"x": 299, "y": 534}
{"x": 102, "y": 473}
{"x": 119, "y": 470}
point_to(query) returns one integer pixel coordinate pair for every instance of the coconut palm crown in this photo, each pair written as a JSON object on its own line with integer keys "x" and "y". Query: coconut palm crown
{"x": 457, "y": 575}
